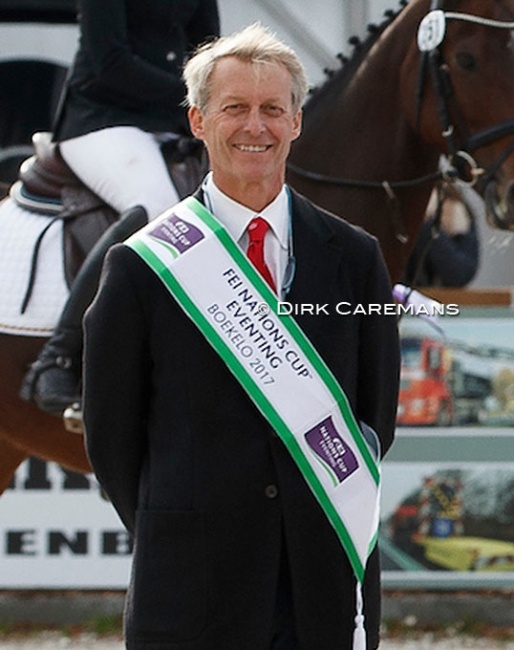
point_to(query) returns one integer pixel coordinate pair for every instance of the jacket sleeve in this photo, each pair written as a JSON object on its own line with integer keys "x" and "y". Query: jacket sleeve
{"x": 116, "y": 384}
{"x": 444, "y": 260}
{"x": 122, "y": 74}
{"x": 379, "y": 355}
{"x": 453, "y": 261}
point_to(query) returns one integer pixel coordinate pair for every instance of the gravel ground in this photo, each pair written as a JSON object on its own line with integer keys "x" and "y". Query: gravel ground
{"x": 58, "y": 641}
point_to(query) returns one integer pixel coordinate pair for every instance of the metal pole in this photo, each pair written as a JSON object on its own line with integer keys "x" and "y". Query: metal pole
{"x": 356, "y": 17}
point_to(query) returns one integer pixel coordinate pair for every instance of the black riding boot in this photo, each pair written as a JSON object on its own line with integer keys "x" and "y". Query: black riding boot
{"x": 53, "y": 381}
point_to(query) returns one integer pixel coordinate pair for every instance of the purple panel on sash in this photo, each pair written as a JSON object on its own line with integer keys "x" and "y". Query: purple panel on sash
{"x": 326, "y": 443}
{"x": 179, "y": 233}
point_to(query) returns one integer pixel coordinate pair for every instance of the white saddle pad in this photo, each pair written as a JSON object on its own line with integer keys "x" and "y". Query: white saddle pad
{"x": 19, "y": 230}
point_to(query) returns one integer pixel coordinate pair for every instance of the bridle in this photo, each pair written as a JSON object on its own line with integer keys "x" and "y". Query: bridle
{"x": 462, "y": 166}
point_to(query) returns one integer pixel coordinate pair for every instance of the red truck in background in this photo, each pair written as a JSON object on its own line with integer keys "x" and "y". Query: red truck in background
{"x": 447, "y": 382}
{"x": 425, "y": 393}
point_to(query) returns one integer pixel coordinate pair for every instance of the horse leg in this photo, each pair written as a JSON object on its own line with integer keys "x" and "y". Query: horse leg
{"x": 10, "y": 459}
{"x": 23, "y": 425}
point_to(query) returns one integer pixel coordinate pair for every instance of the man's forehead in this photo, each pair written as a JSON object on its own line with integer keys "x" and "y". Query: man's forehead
{"x": 267, "y": 69}
{"x": 227, "y": 81}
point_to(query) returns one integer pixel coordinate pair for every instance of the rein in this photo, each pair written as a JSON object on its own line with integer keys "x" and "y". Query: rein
{"x": 378, "y": 185}
{"x": 400, "y": 230}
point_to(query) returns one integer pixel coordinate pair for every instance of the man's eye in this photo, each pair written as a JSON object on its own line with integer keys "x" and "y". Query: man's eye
{"x": 273, "y": 111}
{"x": 234, "y": 109}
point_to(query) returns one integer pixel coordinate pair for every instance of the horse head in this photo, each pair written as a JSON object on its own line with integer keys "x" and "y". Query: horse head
{"x": 463, "y": 61}
{"x": 435, "y": 78}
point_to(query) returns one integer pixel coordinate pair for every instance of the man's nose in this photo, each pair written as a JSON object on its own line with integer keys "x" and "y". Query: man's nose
{"x": 254, "y": 121}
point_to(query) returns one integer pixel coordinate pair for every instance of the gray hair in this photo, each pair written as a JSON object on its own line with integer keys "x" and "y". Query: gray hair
{"x": 254, "y": 44}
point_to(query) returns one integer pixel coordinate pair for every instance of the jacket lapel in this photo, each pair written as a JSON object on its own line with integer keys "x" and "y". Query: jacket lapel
{"x": 317, "y": 262}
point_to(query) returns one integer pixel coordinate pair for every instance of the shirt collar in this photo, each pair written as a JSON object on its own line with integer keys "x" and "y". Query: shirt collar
{"x": 236, "y": 217}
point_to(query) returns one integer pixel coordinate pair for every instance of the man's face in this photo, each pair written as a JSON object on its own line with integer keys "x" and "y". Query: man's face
{"x": 248, "y": 125}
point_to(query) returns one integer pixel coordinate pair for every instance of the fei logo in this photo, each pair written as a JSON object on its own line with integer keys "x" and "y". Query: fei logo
{"x": 178, "y": 234}
{"x": 332, "y": 451}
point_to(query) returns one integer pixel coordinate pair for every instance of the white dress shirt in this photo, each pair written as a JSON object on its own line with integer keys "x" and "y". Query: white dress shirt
{"x": 236, "y": 218}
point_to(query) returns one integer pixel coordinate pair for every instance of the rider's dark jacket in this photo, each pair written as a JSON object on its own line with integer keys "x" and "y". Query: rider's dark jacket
{"x": 127, "y": 70}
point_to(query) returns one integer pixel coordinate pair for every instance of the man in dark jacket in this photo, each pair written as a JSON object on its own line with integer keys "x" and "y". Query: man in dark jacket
{"x": 232, "y": 550}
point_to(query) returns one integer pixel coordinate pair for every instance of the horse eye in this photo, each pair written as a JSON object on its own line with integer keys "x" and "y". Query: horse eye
{"x": 466, "y": 61}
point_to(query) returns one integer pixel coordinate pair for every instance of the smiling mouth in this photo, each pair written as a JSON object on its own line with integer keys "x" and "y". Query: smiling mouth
{"x": 253, "y": 148}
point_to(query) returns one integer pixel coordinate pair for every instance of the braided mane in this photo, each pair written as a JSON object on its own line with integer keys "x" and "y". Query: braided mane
{"x": 337, "y": 79}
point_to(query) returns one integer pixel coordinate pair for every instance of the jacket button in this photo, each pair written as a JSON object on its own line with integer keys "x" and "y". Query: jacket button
{"x": 171, "y": 56}
{"x": 271, "y": 491}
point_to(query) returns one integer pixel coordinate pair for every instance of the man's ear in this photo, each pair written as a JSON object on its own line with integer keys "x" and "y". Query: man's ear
{"x": 196, "y": 122}
{"x": 297, "y": 125}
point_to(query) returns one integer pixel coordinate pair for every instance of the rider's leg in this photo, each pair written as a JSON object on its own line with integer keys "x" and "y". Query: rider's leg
{"x": 53, "y": 380}
{"x": 124, "y": 166}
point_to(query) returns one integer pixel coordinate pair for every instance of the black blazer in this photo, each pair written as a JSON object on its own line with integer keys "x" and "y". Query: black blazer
{"x": 198, "y": 476}
{"x": 127, "y": 69}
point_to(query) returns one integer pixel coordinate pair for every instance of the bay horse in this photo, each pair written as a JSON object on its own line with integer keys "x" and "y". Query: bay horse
{"x": 373, "y": 135}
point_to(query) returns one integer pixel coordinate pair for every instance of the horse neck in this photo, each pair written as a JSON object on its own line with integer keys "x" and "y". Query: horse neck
{"x": 363, "y": 126}
{"x": 362, "y": 132}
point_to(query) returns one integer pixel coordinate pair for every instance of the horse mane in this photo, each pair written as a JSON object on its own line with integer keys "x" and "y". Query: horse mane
{"x": 337, "y": 79}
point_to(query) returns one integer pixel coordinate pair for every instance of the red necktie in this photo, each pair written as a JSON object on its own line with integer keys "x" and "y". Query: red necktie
{"x": 257, "y": 229}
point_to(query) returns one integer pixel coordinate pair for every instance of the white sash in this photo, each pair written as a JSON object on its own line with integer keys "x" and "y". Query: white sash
{"x": 220, "y": 290}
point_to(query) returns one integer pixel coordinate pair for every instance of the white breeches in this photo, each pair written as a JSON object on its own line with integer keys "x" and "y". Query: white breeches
{"x": 124, "y": 166}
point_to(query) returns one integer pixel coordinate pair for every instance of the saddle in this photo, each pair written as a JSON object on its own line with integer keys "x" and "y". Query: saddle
{"x": 47, "y": 186}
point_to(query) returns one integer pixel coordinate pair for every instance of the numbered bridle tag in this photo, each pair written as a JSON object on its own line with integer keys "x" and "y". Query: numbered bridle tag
{"x": 431, "y": 30}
